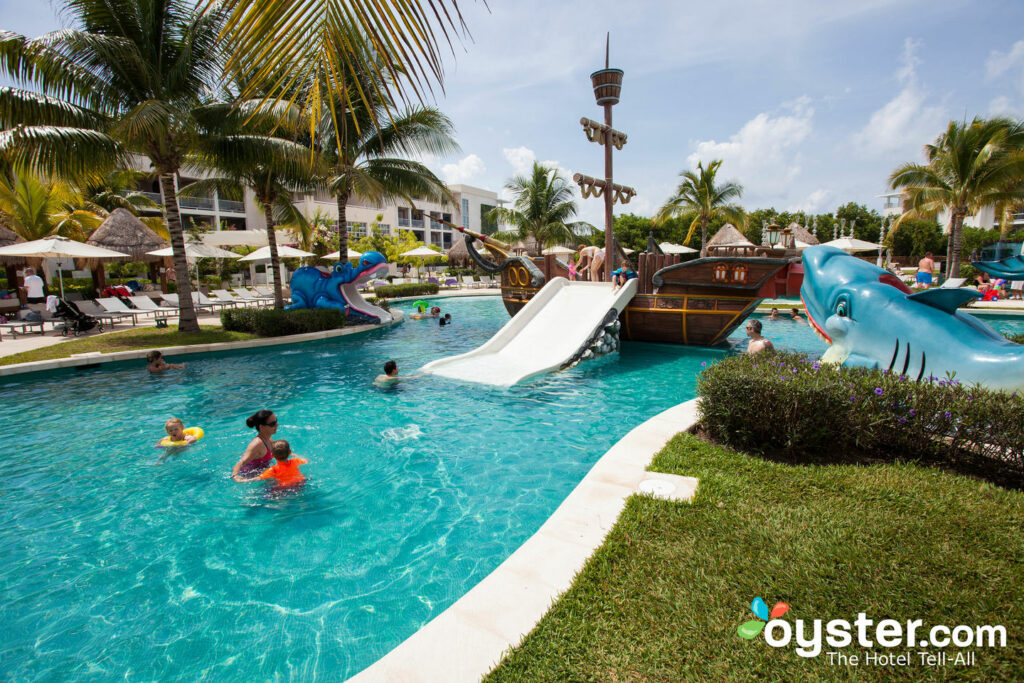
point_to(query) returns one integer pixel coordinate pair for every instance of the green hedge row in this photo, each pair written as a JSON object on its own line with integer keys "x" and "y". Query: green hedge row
{"x": 411, "y": 289}
{"x": 269, "y": 322}
{"x": 787, "y": 403}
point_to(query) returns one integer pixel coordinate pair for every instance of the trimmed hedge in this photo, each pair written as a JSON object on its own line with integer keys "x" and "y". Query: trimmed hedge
{"x": 788, "y": 403}
{"x": 411, "y": 289}
{"x": 269, "y": 322}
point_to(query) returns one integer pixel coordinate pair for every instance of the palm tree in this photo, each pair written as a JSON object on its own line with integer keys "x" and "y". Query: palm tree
{"x": 126, "y": 79}
{"x": 241, "y": 151}
{"x": 969, "y": 166}
{"x": 333, "y": 42}
{"x": 363, "y": 152}
{"x": 699, "y": 200}
{"x": 35, "y": 208}
{"x": 542, "y": 210}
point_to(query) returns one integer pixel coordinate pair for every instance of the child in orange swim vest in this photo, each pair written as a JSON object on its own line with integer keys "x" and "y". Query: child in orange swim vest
{"x": 286, "y": 469}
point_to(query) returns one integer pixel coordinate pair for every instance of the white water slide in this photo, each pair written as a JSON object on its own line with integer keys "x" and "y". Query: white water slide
{"x": 549, "y": 331}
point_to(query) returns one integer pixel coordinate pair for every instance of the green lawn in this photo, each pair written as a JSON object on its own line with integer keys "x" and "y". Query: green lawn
{"x": 662, "y": 598}
{"x": 129, "y": 340}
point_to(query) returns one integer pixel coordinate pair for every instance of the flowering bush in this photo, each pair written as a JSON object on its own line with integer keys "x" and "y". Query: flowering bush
{"x": 793, "y": 404}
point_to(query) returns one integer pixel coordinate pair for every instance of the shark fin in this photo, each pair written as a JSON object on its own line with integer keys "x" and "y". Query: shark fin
{"x": 947, "y": 300}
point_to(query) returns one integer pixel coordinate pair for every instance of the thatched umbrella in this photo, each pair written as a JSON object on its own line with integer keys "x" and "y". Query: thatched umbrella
{"x": 459, "y": 254}
{"x": 729, "y": 236}
{"x": 122, "y": 231}
{"x": 803, "y": 234}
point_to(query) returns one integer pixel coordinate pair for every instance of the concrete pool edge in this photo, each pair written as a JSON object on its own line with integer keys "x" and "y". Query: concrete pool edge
{"x": 469, "y": 638}
{"x": 90, "y": 360}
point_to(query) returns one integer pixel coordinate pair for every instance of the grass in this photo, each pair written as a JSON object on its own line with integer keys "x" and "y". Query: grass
{"x": 129, "y": 340}
{"x": 662, "y": 598}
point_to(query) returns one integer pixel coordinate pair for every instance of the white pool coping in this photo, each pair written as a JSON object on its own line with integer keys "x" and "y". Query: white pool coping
{"x": 469, "y": 638}
{"x": 96, "y": 358}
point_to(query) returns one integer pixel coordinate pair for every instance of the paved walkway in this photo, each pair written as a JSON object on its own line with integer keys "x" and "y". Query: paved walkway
{"x": 28, "y": 342}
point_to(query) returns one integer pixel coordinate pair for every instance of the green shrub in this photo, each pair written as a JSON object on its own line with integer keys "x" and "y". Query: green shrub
{"x": 271, "y": 322}
{"x": 411, "y": 289}
{"x": 794, "y": 405}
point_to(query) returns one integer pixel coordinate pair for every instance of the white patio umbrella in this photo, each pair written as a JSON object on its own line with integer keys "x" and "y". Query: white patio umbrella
{"x": 627, "y": 250}
{"x": 558, "y": 250}
{"x": 195, "y": 251}
{"x": 421, "y": 252}
{"x": 58, "y": 247}
{"x": 669, "y": 248}
{"x": 336, "y": 255}
{"x": 851, "y": 244}
{"x": 263, "y": 253}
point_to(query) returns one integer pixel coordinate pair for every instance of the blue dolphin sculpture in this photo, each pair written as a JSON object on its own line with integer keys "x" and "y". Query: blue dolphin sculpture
{"x": 313, "y": 288}
{"x": 870, "y": 318}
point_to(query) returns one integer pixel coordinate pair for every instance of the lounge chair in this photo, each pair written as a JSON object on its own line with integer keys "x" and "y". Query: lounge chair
{"x": 94, "y": 309}
{"x": 247, "y": 296}
{"x": 451, "y": 282}
{"x": 213, "y": 304}
{"x": 486, "y": 281}
{"x": 173, "y": 300}
{"x": 144, "y": 303}
{"x": 953, "y": 283}
{"x": 469, "y": 281}
{"x": 224, "y": 296}
{"x": 433, "y": 281}
{"x": 112, "y": 304}
{"x": 18, "y": 322}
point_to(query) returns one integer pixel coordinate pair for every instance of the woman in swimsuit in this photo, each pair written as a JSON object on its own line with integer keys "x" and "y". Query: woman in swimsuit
{"x": 258, "y": 455}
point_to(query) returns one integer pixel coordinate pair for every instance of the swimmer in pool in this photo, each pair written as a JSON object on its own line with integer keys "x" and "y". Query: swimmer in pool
{"x": 158, "y": 364}
{"x": 391, "y": 375}
{"x": 258, "y": 454}
{"x": 175, "y": 429}
{"x": 286, "y": 469}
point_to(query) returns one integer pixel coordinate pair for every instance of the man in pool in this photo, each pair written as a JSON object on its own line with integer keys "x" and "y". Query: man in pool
{"x": 774, "y": 315}
{"x": 158, "y": 364}
{"x": 391, "y": 375}
{"x": 757, "y": 342}
{"x": 795, "y": 316}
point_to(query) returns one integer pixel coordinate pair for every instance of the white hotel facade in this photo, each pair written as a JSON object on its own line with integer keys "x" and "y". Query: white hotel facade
{"x": 469, "y": 210}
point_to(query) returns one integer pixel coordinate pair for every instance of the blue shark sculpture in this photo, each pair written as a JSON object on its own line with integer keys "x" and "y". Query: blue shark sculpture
{"x": 870, "y": 318}
{"x": 314, "y": 288}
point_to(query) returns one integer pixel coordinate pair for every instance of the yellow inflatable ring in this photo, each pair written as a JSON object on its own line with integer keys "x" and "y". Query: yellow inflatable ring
{"x": 190, "y": 431}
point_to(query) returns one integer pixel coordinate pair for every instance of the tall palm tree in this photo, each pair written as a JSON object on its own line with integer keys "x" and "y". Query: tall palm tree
{"x": 700, "y": 200}
{"x": 35, "y": 208}
{"x": 969, "y": 166}
{"x": 366, "y": 152}
{"x": 125, "y": 79}
{"x": 542, "y": 210}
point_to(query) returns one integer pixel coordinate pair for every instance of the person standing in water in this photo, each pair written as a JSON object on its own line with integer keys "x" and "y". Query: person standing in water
{"x": 259, "y": 454}
{"x": 757, "y": 342}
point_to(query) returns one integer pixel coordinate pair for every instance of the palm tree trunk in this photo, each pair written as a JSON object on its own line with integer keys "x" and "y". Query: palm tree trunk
{"x": 275, "y": 261}
{"x": 703, "y": 237}
{"x": 187, "y": 321}
{"x": 956, "y": 244}
{"x": 949, "y": 243}
{"x": 342, "y": 226}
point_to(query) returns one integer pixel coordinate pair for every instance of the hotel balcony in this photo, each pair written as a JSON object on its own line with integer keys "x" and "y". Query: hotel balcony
{"x": 201, "y": 203}
{"x": 230, "y": 205}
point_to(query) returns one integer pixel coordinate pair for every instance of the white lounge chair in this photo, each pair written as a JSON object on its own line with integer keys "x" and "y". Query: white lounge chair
{"x": 487, "y": 281}
{"x": 173, "y": 300}
{"x": 953, "y": 283}
{"x": 470, "y": 281}
{"x": 112, "y": 304}
{"x": 247, "y": 296}
{"x": 224, "y": 296}
{"x": 213, "y": 304}
{"x": 144, "y": 303}
{"x": 94, "y": 309}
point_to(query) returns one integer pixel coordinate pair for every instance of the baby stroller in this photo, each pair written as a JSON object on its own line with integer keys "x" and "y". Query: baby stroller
{"x": 75, "y": 322}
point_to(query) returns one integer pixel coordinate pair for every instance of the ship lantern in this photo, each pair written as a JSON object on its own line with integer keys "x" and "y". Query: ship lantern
{"x": 774, "y": 232}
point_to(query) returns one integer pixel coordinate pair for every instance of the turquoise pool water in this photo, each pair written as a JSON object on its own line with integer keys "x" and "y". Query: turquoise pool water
{"x": 116, "y": 568}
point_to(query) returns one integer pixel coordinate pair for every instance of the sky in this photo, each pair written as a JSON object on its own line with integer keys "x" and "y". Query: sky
{"x": 809, "y": 104}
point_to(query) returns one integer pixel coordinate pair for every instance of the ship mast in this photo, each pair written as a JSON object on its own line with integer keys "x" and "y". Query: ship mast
{"x": 607, "y": 84}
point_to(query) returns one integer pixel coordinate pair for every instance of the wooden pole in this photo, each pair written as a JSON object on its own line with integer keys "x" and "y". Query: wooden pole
{"x": 609, "y": 197}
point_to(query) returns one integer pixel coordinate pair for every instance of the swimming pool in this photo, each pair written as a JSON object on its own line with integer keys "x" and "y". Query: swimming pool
{"x": 114, "y": 567}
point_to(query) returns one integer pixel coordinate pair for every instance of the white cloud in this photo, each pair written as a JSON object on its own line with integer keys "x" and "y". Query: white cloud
{"x": 763, "y": 155}
{"x": 1002, "y": 66}
{"x": 466, "y": 170}
{"x": 520, "y": 158}
{"x": 906, "y": 121}
{"x": 815, "y": 202}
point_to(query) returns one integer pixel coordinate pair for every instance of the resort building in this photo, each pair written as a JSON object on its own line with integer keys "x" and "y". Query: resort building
{"x": 470, "y": 210}
{"x": 894, "y": 205}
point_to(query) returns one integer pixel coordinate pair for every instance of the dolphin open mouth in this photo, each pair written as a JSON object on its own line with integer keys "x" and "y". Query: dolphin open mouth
{"x": 813, "y": 323}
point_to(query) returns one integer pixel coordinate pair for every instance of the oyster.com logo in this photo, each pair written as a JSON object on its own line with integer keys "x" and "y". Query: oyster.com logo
{"x": 750, "y": 629}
